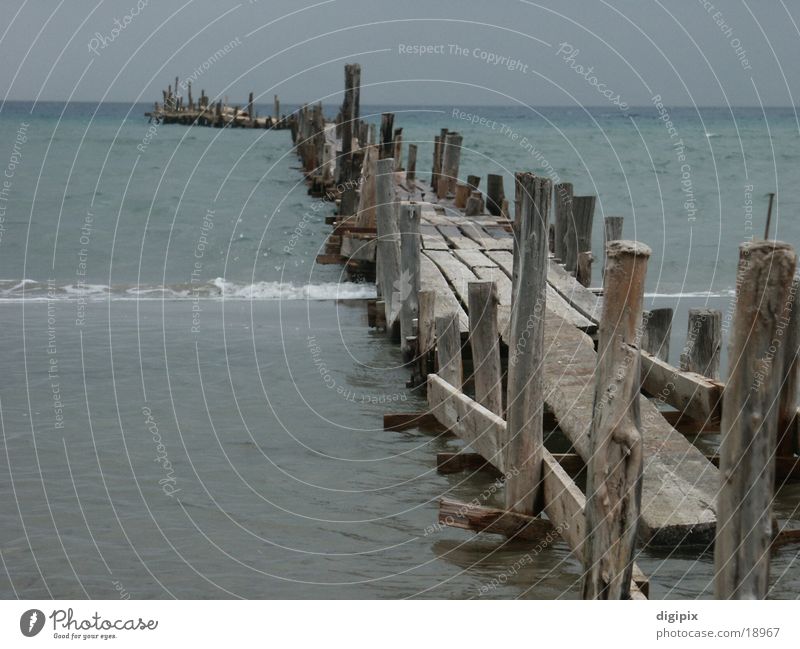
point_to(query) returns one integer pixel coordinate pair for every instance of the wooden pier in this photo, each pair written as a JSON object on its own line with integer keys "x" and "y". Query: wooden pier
{"x": 500, "y": 283}
{"x": 176, "y": 109}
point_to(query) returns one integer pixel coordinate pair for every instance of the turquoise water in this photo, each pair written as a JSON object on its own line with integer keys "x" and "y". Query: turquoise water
{"x": 188, "y": 411}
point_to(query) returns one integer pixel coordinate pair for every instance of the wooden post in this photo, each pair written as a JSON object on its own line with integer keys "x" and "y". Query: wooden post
{"x": 189, "y": 93}
{"x": 408, "y": 281}
{"x": 437, "y": 143}
{"x": 250, "y": 111}
{"x": 613, "y": 228}
{"x": 367, "y": 200}
{"x": 750, "y": 422}
{"x": 474, "y": 205}
{"x": 614, "y": 472}
{"x": 563, "y": 216}
{"x": 494, "y": 194}
{"x": 388, "y": 249}
{"x": 448, "y": 349}
{"x": 612, "y": 232}
{"x": 583, "y": 272}
{"x": 387, "y": 135}
{"x": 398, "y": 149}
{"x": 426, "y": 330}
{"x": 411, "y": 171}
{"x": 523, "y": 448}
{"x": 787, "y": 415}
{"x": 656, "y": 332}
{"x": 473, "y": 182}
{"x": 462, "y": 195}
{"x": 485, "y": 343}
{"x": 703, "y": 341}
{"x": 276, "y": 106}
{"x": 349, "y": 113}
{"x": 451, "y": 156}
{"x": 579, "y": 230}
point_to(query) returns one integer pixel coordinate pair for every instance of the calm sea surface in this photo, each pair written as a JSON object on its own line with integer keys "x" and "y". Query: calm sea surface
{"x": 190, "y": 407}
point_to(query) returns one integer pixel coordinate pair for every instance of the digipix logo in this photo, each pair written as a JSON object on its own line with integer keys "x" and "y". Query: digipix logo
{"x": 31, "y": 622}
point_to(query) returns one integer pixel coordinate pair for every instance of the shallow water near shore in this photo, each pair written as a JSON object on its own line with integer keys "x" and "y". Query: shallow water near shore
{"x": 248, "y": 460}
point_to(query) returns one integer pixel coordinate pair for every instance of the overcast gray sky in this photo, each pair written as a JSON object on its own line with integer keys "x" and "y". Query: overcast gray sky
{"x": 688, "y": 51}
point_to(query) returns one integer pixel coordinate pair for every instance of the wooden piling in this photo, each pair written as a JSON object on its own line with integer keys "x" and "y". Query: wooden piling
{"x": 367, "y": 200}
{"x": 462, "y": 195}
{"x": 473, "y": 182}
{"x": 409, "y": 277}
{"x": 703, "y": 342}
{"x": 411, "y": 167}
{"x": 426, "y": 330}
{"x": 579, "y": 230}
{"x": 451, "y": 157}
{"x": 563, "y": 215}
{"x": 787, "y": 442}
{"x": 613, "y": 228}
{"x": 448, "y": 350}
{"x": 494, "y": 194}
{"x": 387, "y": 135}
{"x": 352, "y": 85}
{"x": 750, "y": 422}
{"x": 485, "y": 342}
{"x": 523, "y": 448}
{"x": 474, "y": 205}
{"x": 614, "y": 471}
{"x": 583, "y": 272}
{"x": 656, "y": 332}
{"x": 388, "y": 238}
{"x": 398, "y": 149}
{"x": 276, "y": 107}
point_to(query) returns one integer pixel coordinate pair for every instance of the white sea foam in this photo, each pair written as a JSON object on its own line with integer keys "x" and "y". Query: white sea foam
{"x": 31, "y": 290}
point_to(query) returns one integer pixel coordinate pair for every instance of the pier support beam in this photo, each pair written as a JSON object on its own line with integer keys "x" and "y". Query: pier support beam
{"x": 614, "y": 470}
{"x": 787, "y": 417}
{"x": 750, "y": 422}
{"x": 388, "y": 253}
{"x": 703, "y": 341}
{"x": 563, "y": 216}
{"x": 523, "y": 448}
{"x": 451, "y": 158}
{"x": 409, "y": 277}
{"x": 411, "y": 168}
{"x": 656, "y": 332}
{"x": 485, "y": 342}
{"x": 494, "y": 194}
{"x": 448, "y": 350}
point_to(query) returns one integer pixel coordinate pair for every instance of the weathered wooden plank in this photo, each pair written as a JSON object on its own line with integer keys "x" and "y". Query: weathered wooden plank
{"x": 694, "y": 395}
{"x": 431, "y": 279}
{"x": 432, "y": 238}
{"x": 581, "y": 298}
{"x": 472, "y": 229}
{"x": 477, "y": 426}
{"x": 468, "y": 516}
{"x": 679, "y": 484}
{"x": 457, "y": 274}
{"x": 456, "y": 238}
{"x": 474, "y": 259}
